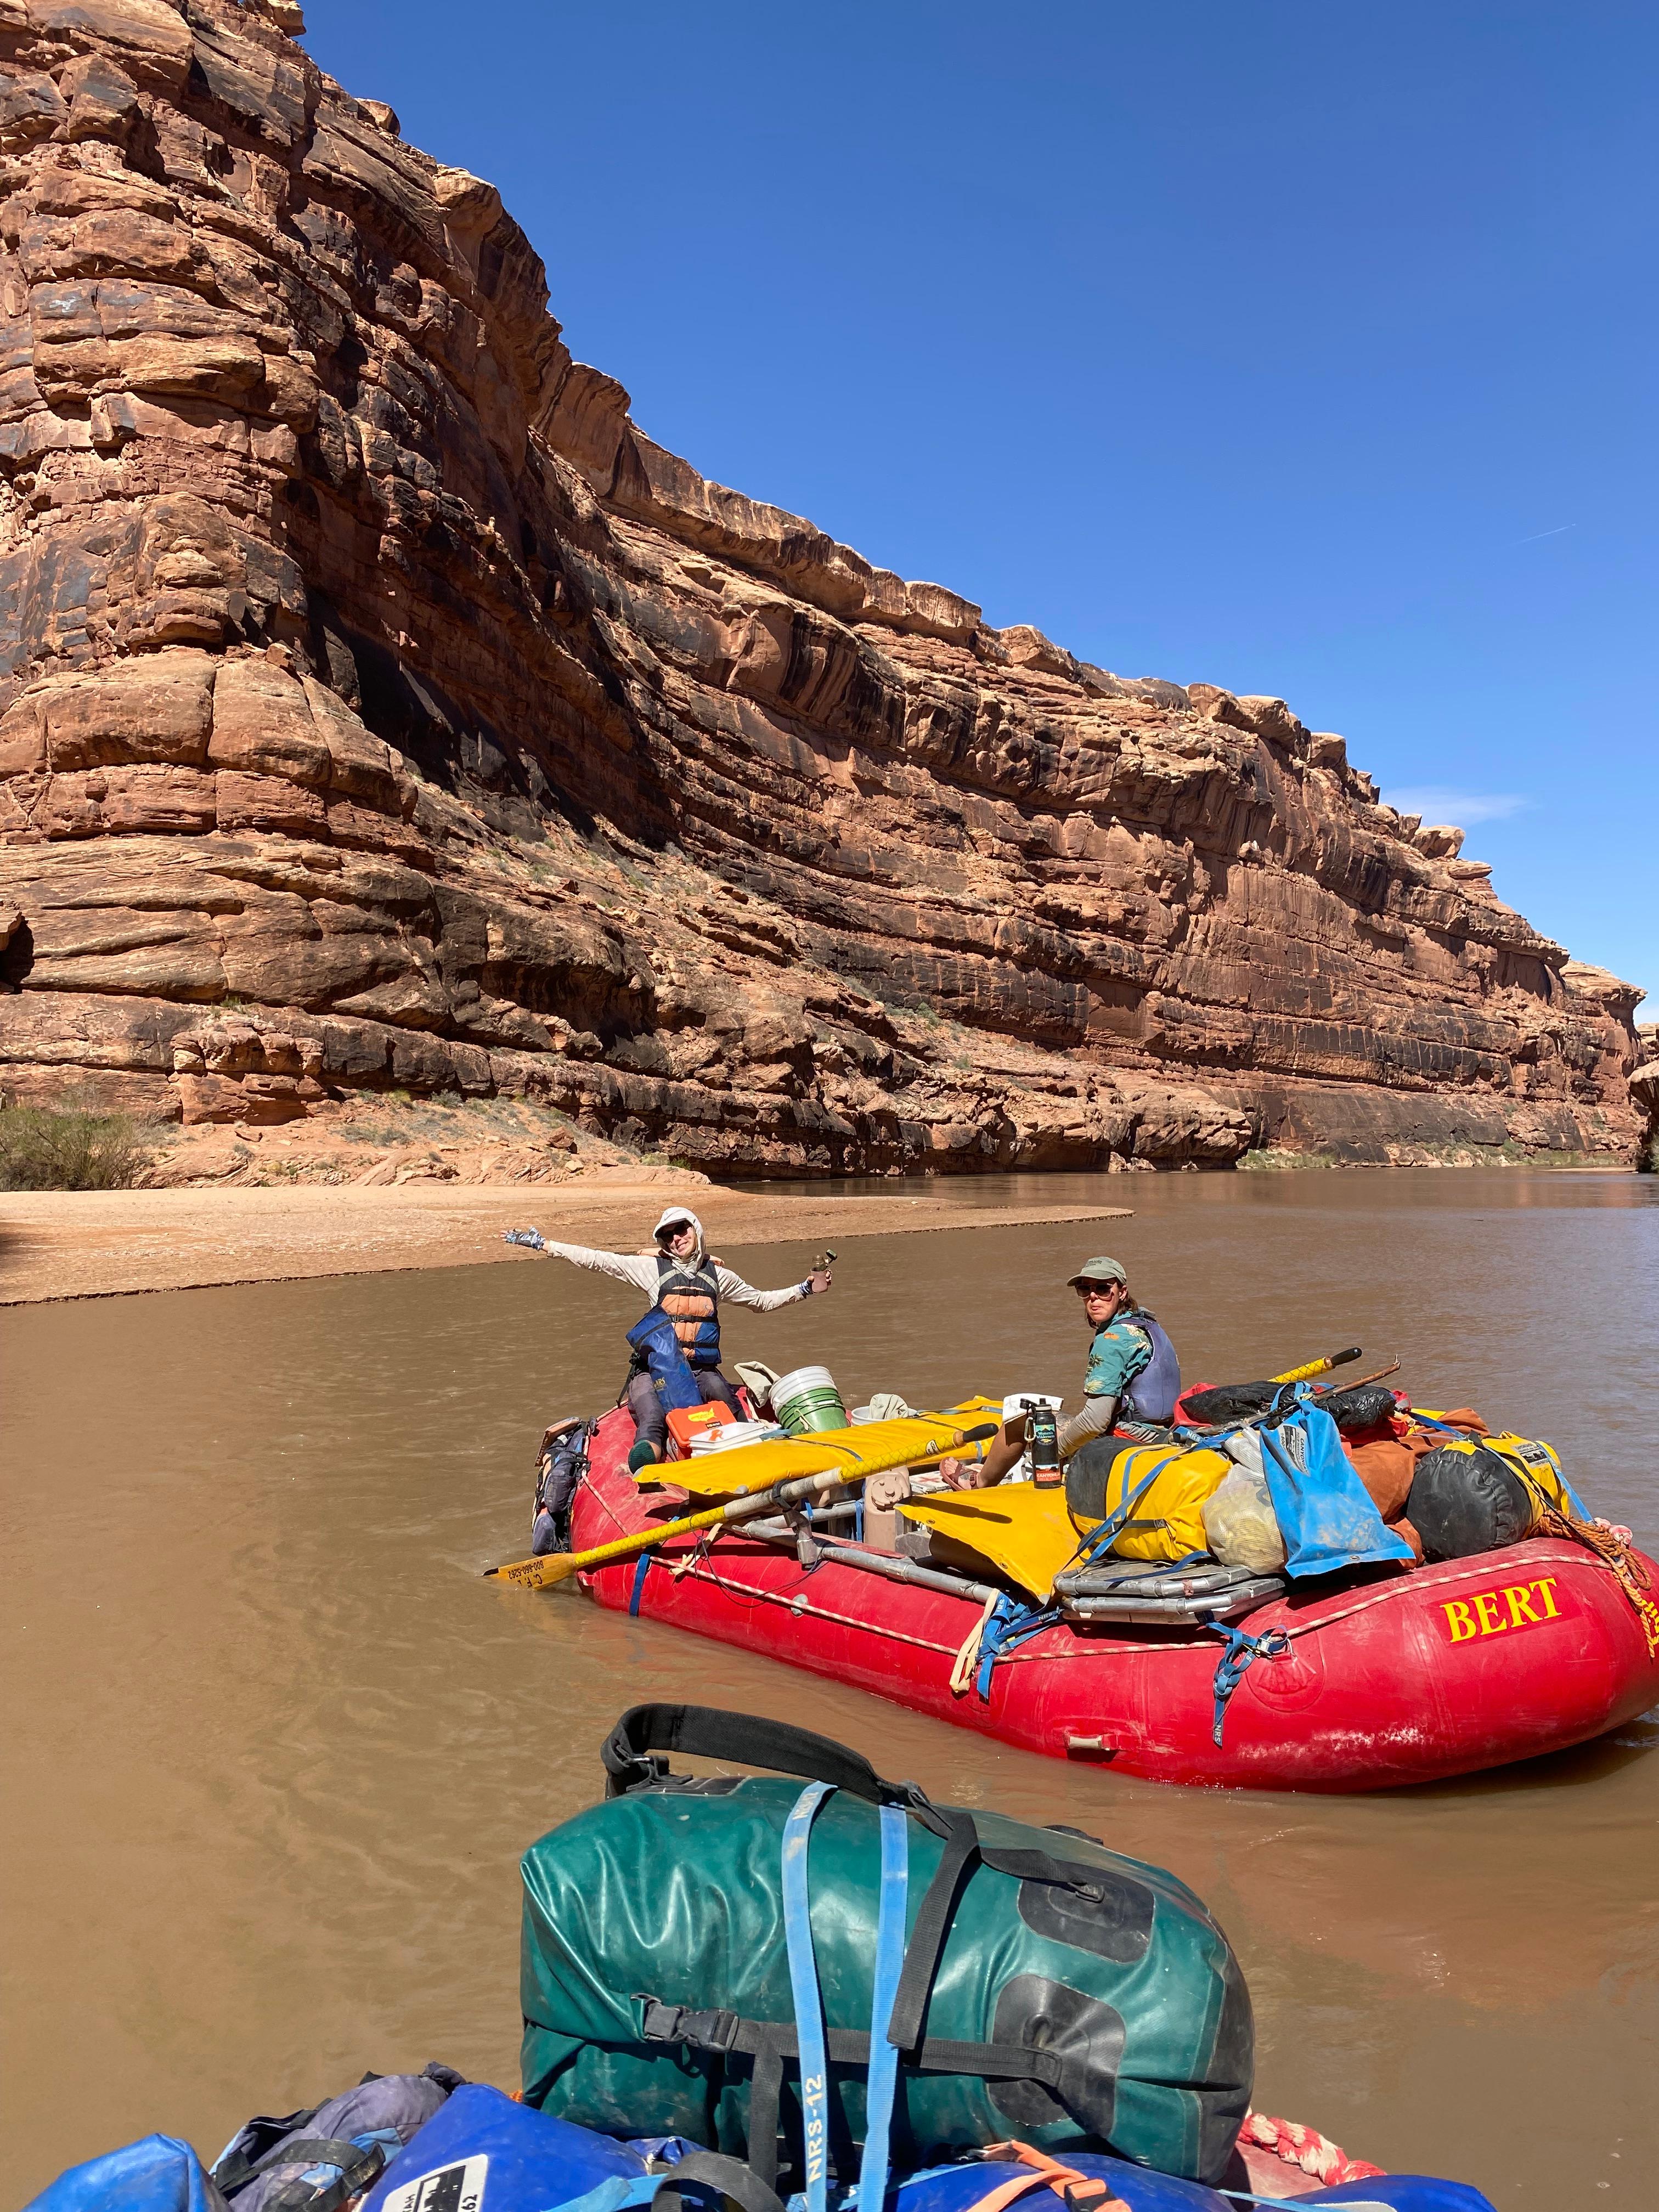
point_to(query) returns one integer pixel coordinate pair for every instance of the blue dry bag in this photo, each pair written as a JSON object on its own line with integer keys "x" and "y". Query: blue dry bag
{"x": 485, "y": 2153}
{"x": 653, "y": 1340}
{"x": 158, "y": 2173}
{"x": 1325, "y": 1513}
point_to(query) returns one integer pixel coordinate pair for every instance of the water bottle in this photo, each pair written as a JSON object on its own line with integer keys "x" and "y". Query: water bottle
{"x": 1042, "y": 1435}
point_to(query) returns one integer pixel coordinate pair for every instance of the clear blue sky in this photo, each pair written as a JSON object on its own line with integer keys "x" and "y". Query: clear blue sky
{"x": 1298, "y": 348}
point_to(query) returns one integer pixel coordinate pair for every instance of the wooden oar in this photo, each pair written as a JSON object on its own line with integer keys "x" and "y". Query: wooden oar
{"x": 1319, "y": 1366}
{"x": 557, "y": 1566}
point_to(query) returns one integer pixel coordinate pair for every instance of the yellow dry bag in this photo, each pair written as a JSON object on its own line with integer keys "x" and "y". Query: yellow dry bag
{"x": 1536, "y": 1465}
{"x": 1160, "y": 1492}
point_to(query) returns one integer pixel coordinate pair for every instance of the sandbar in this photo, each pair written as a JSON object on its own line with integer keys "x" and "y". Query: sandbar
{"x": 79, "y": 1244}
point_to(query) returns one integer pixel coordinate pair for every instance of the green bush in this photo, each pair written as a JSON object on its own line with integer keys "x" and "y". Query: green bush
{"x": 75, "y": 1150}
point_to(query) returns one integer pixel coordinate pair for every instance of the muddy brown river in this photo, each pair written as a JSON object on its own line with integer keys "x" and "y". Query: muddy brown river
{"x": 272, "y": 1748}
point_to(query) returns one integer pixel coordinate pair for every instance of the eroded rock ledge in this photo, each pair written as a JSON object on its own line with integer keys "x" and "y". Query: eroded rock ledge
{"x": 383, "y": 710}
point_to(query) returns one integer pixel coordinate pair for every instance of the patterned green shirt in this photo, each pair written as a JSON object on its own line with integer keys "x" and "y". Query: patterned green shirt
{"x": 1119, "y": 1353}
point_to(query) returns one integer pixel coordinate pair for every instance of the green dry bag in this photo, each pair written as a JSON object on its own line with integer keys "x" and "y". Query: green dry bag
{"x": 697, "y": 1953}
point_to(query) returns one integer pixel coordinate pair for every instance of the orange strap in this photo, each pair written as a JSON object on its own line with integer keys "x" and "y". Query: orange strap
{"x": 1079, "y": 2192}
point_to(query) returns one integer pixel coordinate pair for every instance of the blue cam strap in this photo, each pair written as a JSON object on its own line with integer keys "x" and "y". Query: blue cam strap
{"x": 1009, "y": 1623}
{"x": 1230, "y": 1667}
{"x": 882, "y": 2080}
{"x": 638, "y": 1590}
{"x": 616, "y": 2193}
{"x": 804, "y": 1986}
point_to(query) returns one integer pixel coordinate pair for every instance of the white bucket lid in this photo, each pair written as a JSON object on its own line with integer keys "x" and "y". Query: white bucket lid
{"x": 735, "y": 1432}
{"x": 800, "y": 1380}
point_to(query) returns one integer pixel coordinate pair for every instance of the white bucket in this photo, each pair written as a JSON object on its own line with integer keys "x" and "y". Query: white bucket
{"x": 806, "y": 1398}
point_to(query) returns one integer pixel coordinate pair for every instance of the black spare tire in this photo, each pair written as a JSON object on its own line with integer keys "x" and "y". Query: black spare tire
{"x": 1462, "y": 1503}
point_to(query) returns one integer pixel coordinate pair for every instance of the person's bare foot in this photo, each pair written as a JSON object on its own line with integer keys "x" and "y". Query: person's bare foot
{"x": 963, "y": 1474}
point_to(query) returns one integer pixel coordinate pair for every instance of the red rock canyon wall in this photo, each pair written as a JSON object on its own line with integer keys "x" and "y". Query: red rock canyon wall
{"x": 383, "y": 709}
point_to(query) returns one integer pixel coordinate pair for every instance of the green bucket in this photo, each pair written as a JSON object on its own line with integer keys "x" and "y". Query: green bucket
{"x": 806, "y": 1398}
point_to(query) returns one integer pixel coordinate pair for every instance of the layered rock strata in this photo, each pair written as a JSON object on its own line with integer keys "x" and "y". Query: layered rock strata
{"x": 383, "y": 710}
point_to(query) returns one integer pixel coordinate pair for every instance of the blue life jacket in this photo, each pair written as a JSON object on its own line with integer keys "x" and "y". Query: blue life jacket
{"x": 690, "y": 1297}
{"x": 1151, "y": 1395}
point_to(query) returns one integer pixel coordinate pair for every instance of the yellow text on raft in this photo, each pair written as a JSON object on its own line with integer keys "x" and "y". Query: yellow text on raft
{"x": 1492, "y": 1613}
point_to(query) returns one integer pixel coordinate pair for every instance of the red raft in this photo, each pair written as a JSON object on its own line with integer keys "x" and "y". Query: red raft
{"x": 1440, "y": 1671}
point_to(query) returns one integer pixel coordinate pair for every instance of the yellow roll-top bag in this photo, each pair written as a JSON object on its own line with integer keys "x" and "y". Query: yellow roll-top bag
{"x": 1162, "y": 1493}
{"x": 1031, "y": 1534}
{"x": 1536, "y": 1465}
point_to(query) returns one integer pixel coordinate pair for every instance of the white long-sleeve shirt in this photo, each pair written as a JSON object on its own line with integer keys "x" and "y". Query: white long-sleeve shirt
{"x": 640, "y": 1268}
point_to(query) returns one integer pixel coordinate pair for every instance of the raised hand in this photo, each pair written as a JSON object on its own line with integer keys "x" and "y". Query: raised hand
{"x": 533, "y": 1238}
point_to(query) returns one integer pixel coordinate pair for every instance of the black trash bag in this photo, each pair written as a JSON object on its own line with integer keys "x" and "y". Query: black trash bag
{"x": 562, "y": 1463}
{"x": 314, "y": 2160}
{"x": 1464, "y": 1502}
{"x": 1358, "y": 1408}
{"x": 1361, "y": 1407}
{"x": 1229, "y": 1401}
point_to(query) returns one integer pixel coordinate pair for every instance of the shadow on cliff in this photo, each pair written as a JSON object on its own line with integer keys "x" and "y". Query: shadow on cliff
{"x": 465, "y": 753}
{"x": 461, "y": 752}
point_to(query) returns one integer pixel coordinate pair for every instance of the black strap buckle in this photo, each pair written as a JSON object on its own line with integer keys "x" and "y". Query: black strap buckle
{"x": 1088, "y": 2196}
{"x": 704, "y": 2031}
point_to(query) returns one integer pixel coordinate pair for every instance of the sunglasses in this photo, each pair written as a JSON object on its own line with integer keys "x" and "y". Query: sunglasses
{"x": 1097, "y": 1290}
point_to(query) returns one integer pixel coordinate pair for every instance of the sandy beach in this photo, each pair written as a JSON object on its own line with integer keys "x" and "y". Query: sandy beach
{"x": 78, "y": 1244}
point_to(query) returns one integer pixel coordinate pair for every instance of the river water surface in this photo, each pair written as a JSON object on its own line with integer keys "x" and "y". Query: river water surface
{"x": 273, "y": 1748}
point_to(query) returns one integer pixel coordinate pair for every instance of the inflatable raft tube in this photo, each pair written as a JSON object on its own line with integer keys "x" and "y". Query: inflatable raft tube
{"x": 1381, "y": 1682}
{"x": 486, "y": 2152}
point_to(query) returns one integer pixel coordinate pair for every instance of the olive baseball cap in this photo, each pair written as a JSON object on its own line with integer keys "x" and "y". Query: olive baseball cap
{"x": 1097, "y": 1270}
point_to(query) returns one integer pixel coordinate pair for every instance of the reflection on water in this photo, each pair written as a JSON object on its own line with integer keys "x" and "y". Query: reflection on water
{"x": 277, "y": 1748}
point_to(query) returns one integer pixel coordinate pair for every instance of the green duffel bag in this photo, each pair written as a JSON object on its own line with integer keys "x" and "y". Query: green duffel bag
{"x": 713, "y": 1959}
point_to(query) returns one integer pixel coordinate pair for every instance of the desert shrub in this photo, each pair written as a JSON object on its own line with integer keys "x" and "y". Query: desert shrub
{"x": 40, "y": 1150}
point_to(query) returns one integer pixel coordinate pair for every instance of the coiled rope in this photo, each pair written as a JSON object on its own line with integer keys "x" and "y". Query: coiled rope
{"x": 1306, "y": 2147}
{"x": 1613, "y": 1546}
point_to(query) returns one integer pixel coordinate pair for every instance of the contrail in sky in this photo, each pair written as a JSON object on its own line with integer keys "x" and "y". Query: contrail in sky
{"x": 1559, "y": 529}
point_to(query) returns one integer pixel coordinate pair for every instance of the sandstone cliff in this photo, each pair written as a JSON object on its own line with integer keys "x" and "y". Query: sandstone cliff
{"x": 382, "y": 709}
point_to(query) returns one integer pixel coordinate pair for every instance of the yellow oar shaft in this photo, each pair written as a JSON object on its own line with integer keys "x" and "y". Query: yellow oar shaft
{"x": 1319, "y": 1366}
{"x": 537, "y": 1574}
{"x": 557, "y": 1566}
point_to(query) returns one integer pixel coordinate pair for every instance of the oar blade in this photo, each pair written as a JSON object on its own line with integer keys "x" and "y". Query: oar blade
{"x": 1024, "y": 1533}
{"x": 537, "y": 1574}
